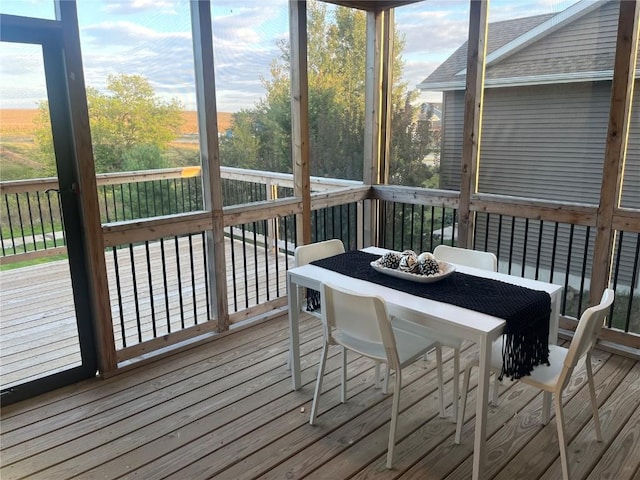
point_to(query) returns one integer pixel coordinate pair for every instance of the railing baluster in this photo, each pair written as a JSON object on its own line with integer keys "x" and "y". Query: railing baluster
{"x": 179, "y": 272}
{"x": 205, "y": 263}
{"x": 193, "y": 280}
{"x": 136, "y": 302}
{"x": 553, "y": 252}
{"x": 568, "y": 269}
{"x": 53, "y": 228}
{"x": 276, "y": 251}
{"x": 13, "y": 237}
{"x": 233, "y": 269}
{"x": 33, "y": 231}
{"x": 151, "y": 298}
{"x": 256, "y": 273}
{"x": 539, "y": 251}
{"x": 499, "y": 239}
{"x": 634, "y": 280}
{"x": 513, "y": 228}
{"x": 119, "y": 294}
{"x": 266, "y": 258}
{"x": 524, "y": 246}
{"x": 44, "y": 234}
{"x": 244, "y": 265}
{"x": 24, "y": 241}
{"x": 165, "y": 285}
{"x": 584, "y": 268}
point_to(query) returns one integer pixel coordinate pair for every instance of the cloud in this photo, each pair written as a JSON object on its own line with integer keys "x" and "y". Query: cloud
{"x": 128, "y": 7}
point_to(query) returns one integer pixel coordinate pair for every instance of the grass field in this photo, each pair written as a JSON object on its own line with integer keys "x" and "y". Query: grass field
{"x": 18, "y": 154}
{"x": 20, "y": 123}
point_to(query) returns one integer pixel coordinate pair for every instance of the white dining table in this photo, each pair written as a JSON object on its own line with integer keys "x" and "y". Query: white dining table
{"x": 452, "y": 320}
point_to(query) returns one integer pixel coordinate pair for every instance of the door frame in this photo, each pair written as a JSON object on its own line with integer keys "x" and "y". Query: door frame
{"x": 49, "y": 35}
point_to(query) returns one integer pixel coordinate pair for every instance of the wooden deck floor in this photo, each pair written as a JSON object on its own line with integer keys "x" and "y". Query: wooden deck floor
{"x": 38, "y": 331}
{"x": 226, "y": 410}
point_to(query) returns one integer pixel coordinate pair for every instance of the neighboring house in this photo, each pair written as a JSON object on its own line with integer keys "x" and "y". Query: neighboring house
{"x": 546, "y": 102}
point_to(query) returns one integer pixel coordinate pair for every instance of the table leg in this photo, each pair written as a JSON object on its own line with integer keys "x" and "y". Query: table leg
{"x": 480, "y": 446}
{"x": 554, "y": 325}
{"x": 294, "y": 333}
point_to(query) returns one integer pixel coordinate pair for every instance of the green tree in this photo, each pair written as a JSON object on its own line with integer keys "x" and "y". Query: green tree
{"x": 128, "y": 118}
{"x": 413, "y": 141}
{"x": 336, "y": 65}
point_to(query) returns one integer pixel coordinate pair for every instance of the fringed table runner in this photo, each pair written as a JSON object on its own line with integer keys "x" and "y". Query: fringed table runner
{"x": 525, "y": 311}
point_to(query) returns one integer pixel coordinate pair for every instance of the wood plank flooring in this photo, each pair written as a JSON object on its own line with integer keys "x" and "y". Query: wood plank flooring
{"x": 226, "y": 410}
{"x": 38, "y": 332}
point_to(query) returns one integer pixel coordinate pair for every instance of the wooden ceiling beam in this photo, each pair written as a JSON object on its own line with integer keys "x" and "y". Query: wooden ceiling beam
{"x": 371, "y": 5}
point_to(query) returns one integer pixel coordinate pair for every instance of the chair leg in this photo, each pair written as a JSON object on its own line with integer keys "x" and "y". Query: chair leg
{"x": 546, "y": 406}
{"x": 387, "y": 373}
{"x": 456, "y": 383}
{"x": 318, "y": 391}
{"x": 562, "y": 441}
{"x": 440, "y": 379}
{"x": 463, "y": 403}
{"x": 394, "y": 418}
{"x": 594, "y": 401}
{"x": 343, "y": 390}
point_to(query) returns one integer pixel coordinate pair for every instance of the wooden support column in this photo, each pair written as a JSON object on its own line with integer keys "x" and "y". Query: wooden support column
{"x": 614, "y": 156}
{"x": 210, "y": 157}
{"x": 87, "y": 189}
{"x": 372, "y": 168}
{"x": 476, "y": 55}
{"x": 300, "y": 117}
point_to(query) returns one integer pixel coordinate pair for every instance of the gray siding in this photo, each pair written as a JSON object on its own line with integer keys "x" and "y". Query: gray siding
{"x": 585, "y": 45}
{"x": 545, "y": 142}
{"x": 451, "y": 139}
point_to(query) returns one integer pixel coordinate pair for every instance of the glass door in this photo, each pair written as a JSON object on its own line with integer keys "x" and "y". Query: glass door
{"x": 46, "y": 333}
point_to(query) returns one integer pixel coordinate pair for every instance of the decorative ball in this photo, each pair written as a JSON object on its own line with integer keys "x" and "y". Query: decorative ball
{"x": 424, "y": 255}
{"x": 408, "y": 262}
{"x": 390, "y": 260}
{"x": 429, "y": 266}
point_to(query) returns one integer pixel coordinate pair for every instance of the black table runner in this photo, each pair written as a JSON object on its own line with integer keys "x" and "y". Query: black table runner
{"x": 525, "y": 311}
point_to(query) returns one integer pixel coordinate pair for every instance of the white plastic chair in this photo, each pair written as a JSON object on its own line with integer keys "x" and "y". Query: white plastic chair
{"x": 554, "y": 378}
{"x": 461, "y": 256}
{"x": 468, "y": 257}
{"x": 361, "y": 323}
{"x": 305, "y": 254}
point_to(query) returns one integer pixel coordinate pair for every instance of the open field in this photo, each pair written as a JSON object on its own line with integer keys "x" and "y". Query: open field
{"x": 20, "y": 123}
{"x": 18, "y": 152}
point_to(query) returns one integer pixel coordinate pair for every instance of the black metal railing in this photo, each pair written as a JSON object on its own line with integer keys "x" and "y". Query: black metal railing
{"x": 158, "y": 287}
{"x": 554, "y": 252}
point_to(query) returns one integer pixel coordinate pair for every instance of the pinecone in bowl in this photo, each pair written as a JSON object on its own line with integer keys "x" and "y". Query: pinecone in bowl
{"x": 428, "y": 266}
{"x": 390, "y": 260}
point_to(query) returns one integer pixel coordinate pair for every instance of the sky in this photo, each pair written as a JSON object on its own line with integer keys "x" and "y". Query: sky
{"x": 152, "y": 38}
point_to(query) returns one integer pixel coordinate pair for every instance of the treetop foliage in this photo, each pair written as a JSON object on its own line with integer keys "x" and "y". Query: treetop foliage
{"x": 128, "y": 118}
{"x": 336, "y": 57}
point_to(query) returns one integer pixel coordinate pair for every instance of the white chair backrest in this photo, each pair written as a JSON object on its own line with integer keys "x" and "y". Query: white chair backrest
{"x": 305, "y": 254}
{"x": 465, "y": 256}
{"x": 362, "y": 320}
{"x": 588, "y": 329}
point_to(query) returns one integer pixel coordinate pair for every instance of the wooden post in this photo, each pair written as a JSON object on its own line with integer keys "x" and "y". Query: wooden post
{"x": 476, "y": 54}
{"x": 300, "y": 117}
{"x": 614, "y": 156}
{"x": 87, "y": 189}
{"x": 371, "y": 172}
{"x": 210, "y": 157}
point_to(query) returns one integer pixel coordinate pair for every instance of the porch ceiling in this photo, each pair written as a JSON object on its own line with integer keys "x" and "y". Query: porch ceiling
{"x": 372, "y": 5}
